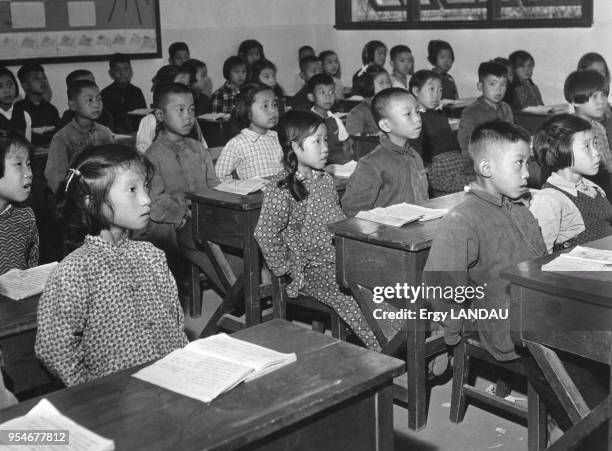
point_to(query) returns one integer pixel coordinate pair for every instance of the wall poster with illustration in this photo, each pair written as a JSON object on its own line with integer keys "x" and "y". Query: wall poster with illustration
{"x": 54, "y": 31}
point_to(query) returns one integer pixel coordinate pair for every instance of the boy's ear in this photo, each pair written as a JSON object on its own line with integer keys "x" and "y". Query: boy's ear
{"x": 310, "y": 96}
{"x": 295, "y": 146}
{"x": 383, "y": 124}
{"x": 392, "y": 63}
{"x": 415, "y": 91}
{"x": 484, "y": 168}
{"x": 479, "y": 86}
{"x": 159, "y": 114}
{"x": 71, "y": 105}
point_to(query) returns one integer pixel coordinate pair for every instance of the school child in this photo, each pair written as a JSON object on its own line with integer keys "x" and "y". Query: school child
{"x": 321, "y": 92}
{"x": 105, "y": 117}
{"x": 12, "y": 117}
{"x": 441, "y": 56}
{"x": 309, "y": 66}
{"x": 112, "y": 303}
{"x": 178, "y": 53}
{"x": 255, "y": 151}
{"x": 121, "y": 96}
{"x": 570, "y": 208}
{"x": 508, "y": 66}
{"x": 486, "y": 233}
{"x": 450, "y": 171}
{"x": 367, "y": 82}
{"x": 402, "y": 62}
{"x": 393, "y": 172}
{"x": 524, "y": 91}
{"x": 195, "y": 75}
{"x": 587, "y": 92}
{"x": 331, "y": 67}
{"x": 292, "y": 229}
{"x": 264, "y": 71}
{"x": 18, "y": 231}
{"x": 251, "y": 50}
{"x": 85, "y": 101}
{"x": 235, "y": 74}
{"x": 594, "y": 61}
{"x": 374, "y": 52}
{"x": 492, "y": 84}
{"x": 43, "y": 114}
{"x": 298, "y": 79}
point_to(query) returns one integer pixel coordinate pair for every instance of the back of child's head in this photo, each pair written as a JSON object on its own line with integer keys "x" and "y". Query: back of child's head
{"x": 494, "y": 136}
{"x": 163, "y": 91}
{"x": 397, "y": 50}
{"x": 10, "y": 141}
{"x": 434, "y": 47}
{"x": 118, "y": 58}
{"x": 191, "y": 68}
{"x": 420, "y": 77}
{"x": 591, "y": 59}
{"x": 519, "y": 58}
{"x": 231, "y": 63}
{"x": 580, "y": 85}
{"x": 244, "y": 101}
{"x": 308, "y": 60}
{"x": 177, "y": 47}
{"x": 78, "y": 74}
{"x": 491, "y": 68}
{"x": 293, "y": 128}
{"x": 363, "y": 80}
{"x": 77, "y": 86}
{"x": 369, "y": 51}
{"x": 4, "y": 72}
{"x": 248, "y": 46}
{"x": 382, "y": 100}
{"x": 25, "y": 70}
{"x": 553, "y": 140}
{"x": 327, "y": 54}
{"x": 84, "y": 195}
{"x": 166, "y": 74}
{"x": 317, "y": 80}
{"x": 305, "y": 50}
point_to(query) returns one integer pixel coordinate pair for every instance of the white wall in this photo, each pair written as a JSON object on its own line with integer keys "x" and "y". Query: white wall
{"x": 214, "y": 28}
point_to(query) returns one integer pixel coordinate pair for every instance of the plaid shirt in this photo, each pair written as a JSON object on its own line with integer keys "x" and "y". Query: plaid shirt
{"x": 223, "y": 99}
{"x": 250, "y": 155}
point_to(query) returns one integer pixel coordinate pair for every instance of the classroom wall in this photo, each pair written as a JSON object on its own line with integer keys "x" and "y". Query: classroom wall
{"x": 214, "y": 28}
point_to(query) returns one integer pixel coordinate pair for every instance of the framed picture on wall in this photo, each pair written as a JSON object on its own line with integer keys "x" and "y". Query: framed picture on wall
{"x": 55, "y": 31}
{"x": 424, "y": 14}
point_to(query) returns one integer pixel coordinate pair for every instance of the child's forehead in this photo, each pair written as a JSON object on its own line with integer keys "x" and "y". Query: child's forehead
{"x": 508, "y": 150}
{"x": 35, "y": 73}
{"x": 492, "y": 78}
{"x": 433, "y": 81}
{"x": 404, "y": 54}
{"x": 262, "y": 96}
{"x": 238, "y": 66}
{"x": 178, "y": 98}
{"x": 16, "y": 151}
{"x": 398, "y": 102}
{"x": 89, "y": 91}
{"x": 6, "y": 78}
{"x": 324, "y": 87}
{"x": 121, "y": 65}
{"x": 313, "y": 64}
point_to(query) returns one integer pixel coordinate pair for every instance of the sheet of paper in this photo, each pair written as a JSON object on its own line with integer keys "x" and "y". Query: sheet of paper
{"x": 141, "y": 111}
{"x": 28, "y": 15}
{"x": 20, "y": 284}
{"x": 383, "y": 216}
{"x": 242, "y": 187}
{"x": 593, "y": 255}
{"x": 342, "y": 170}
{"x": 215, "y": 116}
{"x": 563, "y": 263}
{"x": 82, "y": 14}
{"x": 540, "y": 109}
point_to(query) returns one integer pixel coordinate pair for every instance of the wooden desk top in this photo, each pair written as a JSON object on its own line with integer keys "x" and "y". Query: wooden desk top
{"x": 411, "y": 237}
{"x": 17, "y": 316}
{"x": 590, "y": 287}
{"x": 138, "y": 415}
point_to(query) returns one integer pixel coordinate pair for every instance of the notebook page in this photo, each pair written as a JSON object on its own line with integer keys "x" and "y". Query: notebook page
{"x": 20, "y": 284}
{"x": 242, "y": 187}
{"x": 565, "y": 263}
{"x": 594, "y": 255}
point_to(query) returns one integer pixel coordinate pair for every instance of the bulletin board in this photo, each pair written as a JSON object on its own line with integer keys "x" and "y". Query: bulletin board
{"x": 78, "y": 30}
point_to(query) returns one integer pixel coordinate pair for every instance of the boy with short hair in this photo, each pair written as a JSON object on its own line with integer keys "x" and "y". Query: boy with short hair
{"x": 235, "y": 74}
{"x": 85, "y": 101}
{"x": 492, "y": 83}
{"x": 587, "y": 91}
{"x": 393, "y": 172}
{"x": 322, "y": 93}
{"x": 298, "y": 81}
{"x": 121, "y": 95}
{"x": 34, "y": 82}
{"x": 105, "y": 117}
{"x": 488, "y": 232}
{"x": 178, "y": 53}
{"x": 402, "y": 62}
{"x": 309, "y": 66}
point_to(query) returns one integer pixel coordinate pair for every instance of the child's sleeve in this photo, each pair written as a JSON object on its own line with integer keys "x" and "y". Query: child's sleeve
{"x": 209, "y": 168}
{"x": 62, "y": 315}
{"x": 57, "y": 161}
{"x": 165, "y": 208}
{"x": 33, "y": 244}
{"x": 146, "y": 133}
{"x": 362, "y": 189}
{"x": 228, "y": 160}
{"x": 547, "y": 212}
{"x": 217, "y": 101}
{"x": 140, "y": 99}
{"x": 28, "y": 129}
{"x": 354, "y": 122}
{"x": 466, "y": 125}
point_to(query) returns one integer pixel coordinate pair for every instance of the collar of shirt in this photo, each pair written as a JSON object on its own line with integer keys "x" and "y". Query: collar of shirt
{"x": 315, "y": 175}
{"x": 97, "y": 241}
{"x": 496, "y": 199}
{"x": 482, "y": 101}
{"x": 584, "y": 186}
{"x": 8, "y": 113}
{"x": 253, "y": 136}
{"x": 175, "y": 146}
{"x": 313, "y": 109}
{"x": 7, "y": 211}
{"x": 388, "y": 144}
{"x": 80, "y": 129}
{"x": 228, "y": 88}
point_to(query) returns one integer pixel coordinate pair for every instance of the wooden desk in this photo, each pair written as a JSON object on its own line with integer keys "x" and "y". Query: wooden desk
{"x": 530, "y": 121}
{"x": 17, "y": 316}
{"x": 336, "y": 396}
{"x": 571, "y": 312}
{"x": 217, "y": 132}
{"x": 368, "y": 255}
{"x": 456, "y": 107}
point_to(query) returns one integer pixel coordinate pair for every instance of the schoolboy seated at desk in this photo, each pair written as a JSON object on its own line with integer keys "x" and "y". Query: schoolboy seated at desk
{"x": 309, "y": 66}
{"x": 105, "y": 117}
{"x": 393, "y": 172}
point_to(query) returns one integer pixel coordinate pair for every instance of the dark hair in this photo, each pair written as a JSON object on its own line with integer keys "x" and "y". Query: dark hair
{"x": 519, "y": 58}
{"x": 177, "y": 47}
{"x": 75, "y": 88}
{"x": 434, "y": 47}
{"x": 363, "y": 80}
{"x": 552, "y": 141}
{"x": 324, "y": 54}
{"x": 26, "y": 69}
{"x": 319, "y": 79}
{"x": 4, "y": 72}
{"x": 308, "y": 60}
{"x": 367, "y": 54}
{"x": 304, "y": 48}
{"x": 230, "y": 63}
{"x": 381, "y": 101}
{"x": 77, "y": 74}
{"x": 249, "y": 44}
{"x": 504, "y": 61}
{"x": 8, "y": 139}
{"x": 166, "y": 74}
{"x": 259, "y": 66}
{"x": 580, "y": 85}
{"x": 118, "y": 58}
{"x": 588, "y": 59}
{"x": 492, "y": 68}
{"x": 294, "y": 127}
{"x": 83, "y": 199}
{"x": 396, "y": 50}
{"x": 420, "y": 77}
{"x": 191, "y": 67}
{"x": 241, "y": 114}
{"x": 492, "y": 134}
{"x": 162, "y": 91}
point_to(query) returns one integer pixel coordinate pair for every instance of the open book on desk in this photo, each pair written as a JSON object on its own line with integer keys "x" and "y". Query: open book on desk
{"x": 19, "y": 284}
{"x": 401, "y": 214}
{"x": 581, "y": 259}
{"x": 342, "y": 170}
{"x": 208, "y": 367}
{"x": 243, "y": 187}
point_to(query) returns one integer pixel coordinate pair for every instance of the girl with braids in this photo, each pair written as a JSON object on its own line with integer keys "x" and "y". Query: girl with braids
{"x": 292, "y": 229}
{"x": 112, "y": 303}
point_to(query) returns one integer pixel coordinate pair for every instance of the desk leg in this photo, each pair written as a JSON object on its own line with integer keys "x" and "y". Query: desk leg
{"x": 417, "y": 377}
{"x": 536, "y": 421}
{"x": 229, "y": 303}
{"x": 384, "y": 418}
{"x": 250, "y": 276}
